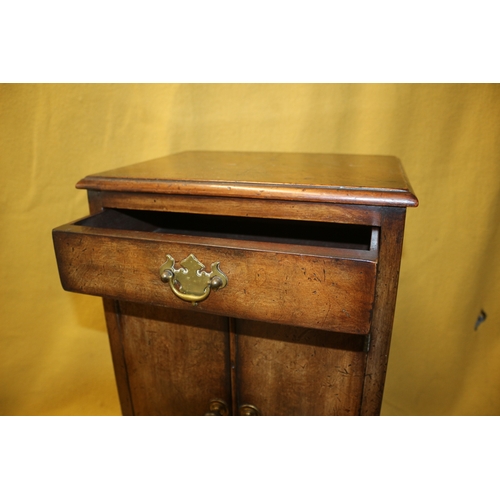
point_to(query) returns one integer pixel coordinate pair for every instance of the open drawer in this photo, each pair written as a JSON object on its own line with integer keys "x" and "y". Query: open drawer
{"x": 311, "y": 274}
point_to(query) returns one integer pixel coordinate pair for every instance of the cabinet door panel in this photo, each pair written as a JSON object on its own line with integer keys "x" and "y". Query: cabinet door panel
{"x": 177, "y": 361}
{"x": 285, "y": 370}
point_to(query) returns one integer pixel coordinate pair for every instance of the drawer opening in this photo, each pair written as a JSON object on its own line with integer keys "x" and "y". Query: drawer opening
{"x": 296, "y": 232}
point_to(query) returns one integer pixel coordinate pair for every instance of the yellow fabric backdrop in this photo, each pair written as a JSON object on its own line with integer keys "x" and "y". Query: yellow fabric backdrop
{"x": 55, "y": 357}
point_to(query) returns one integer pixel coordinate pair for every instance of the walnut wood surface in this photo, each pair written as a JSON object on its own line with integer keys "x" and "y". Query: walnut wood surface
{"x": 173, "y": 361}
{"x": 352, "y": 179}
{"x": 324, "y": 212}
{"x": 114, "y": 326}
{"x": 391, "y": 243}
{"x": 295, "y": 371}
{"x": 177, "y": 361}
{"x": 331, "y": 290}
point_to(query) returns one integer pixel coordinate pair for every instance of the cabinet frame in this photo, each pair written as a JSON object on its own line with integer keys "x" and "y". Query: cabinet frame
{"x": 390, "y": 220}
{"x": 341, "y": 189}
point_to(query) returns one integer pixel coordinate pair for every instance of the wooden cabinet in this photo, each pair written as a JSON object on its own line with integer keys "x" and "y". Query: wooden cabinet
{"x": 244, "y": 283}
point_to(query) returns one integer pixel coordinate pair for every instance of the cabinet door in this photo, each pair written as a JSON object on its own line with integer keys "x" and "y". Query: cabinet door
{"x": 176, "y": 361}
{"x": 283, "y": 370}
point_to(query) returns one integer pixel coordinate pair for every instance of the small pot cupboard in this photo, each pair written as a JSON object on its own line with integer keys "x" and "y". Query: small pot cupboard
{"x": 244, "y": 283}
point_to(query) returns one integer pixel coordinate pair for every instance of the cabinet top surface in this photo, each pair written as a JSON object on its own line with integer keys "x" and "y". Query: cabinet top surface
{"x": 332, "y": 178}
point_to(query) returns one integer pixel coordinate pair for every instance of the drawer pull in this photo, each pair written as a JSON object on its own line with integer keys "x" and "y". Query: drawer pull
{"x": 217, "y": 408}
{"x": 191, "y": 283}
{"x": 249, "y": 411}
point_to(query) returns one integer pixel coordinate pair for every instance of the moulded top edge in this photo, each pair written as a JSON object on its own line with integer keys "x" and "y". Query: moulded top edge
{"x": 354, "y": 179}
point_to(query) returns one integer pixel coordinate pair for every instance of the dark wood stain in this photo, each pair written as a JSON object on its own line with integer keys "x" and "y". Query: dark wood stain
{"x": 311, "y": 245}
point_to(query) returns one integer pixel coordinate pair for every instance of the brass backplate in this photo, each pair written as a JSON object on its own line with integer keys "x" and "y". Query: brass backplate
{"x": 191, "y": 282}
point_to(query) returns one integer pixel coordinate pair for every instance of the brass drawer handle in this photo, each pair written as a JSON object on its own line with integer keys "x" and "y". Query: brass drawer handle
{"x": 191, "y": 283}
{"x": 217, "y": 408}
{"x": 249, "y": 411}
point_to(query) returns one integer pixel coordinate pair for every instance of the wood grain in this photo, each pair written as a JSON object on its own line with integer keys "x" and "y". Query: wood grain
{"x": 114, "y": 326}
{"x": 304, "y": 325}
{"x": 331, "y": 290}
{"x": 177, "y": 361}
{"x": 296, "y": 371}
{"x": 277, "y": 209}
{"x": 391, "y": 244}
{"x": 351, "y": 179}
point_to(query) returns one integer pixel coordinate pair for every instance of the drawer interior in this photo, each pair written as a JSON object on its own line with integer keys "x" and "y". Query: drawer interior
{"x": 295, "y": 232}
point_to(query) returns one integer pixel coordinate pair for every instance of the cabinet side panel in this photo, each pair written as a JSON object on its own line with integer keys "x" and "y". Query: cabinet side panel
{"x": 177, "y": 361}
{"x": 284, "y": 370}
{"x": 391, "y": 244}
{"x": 112, "y": 315}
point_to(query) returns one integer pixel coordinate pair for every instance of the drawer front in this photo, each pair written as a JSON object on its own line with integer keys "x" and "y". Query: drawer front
{"x": 274, "y": 283}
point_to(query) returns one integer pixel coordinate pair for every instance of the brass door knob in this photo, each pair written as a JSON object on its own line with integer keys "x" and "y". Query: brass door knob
{"x": 191, "y": 283}
{"x": 217, "y": 408}
{"x": 249, "y": 411}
